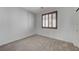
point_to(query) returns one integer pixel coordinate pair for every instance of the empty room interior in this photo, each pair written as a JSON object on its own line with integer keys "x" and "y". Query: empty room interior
{"x": 39, "y": 29}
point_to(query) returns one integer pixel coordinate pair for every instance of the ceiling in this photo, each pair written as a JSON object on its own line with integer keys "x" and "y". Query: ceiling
{"x": 37, "y": 10}
{"x": 33, "y": 9}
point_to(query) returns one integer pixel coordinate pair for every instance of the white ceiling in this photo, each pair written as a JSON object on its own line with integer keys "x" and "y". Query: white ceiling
{"x": 39, "y": 9}
{"x": 33, "y": 9}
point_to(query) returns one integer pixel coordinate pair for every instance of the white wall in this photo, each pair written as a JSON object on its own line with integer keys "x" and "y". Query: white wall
{"x": 65, "y": 25}
{"x": 15, "y": 23}
{"x": 76, "y": 28}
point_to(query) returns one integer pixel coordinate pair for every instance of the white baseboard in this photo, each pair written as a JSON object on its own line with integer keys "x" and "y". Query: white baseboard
{"x": 3, "y": 43}
{"x": 58, "y": 38}
{"x": 74, "y": 43}
{"x": 9, "y": 41}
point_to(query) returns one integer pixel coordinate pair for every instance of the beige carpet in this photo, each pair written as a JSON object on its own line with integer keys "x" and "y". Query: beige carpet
{"x": 39, "y": 43}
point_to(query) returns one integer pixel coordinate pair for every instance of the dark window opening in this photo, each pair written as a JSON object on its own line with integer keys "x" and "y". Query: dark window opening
{"x": 49, "y": 20}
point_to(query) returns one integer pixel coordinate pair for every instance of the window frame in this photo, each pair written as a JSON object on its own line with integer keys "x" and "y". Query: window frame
{"x": 48, "y": 19}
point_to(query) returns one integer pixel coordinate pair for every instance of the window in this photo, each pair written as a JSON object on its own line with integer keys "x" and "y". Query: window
{"x": 49, "y": 20}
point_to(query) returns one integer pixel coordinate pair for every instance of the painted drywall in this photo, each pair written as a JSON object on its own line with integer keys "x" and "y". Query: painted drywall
{"x": 65, "y": 24}
{"x": 75, "y": 20}
{"x": 15, "y": 23}
{"x": 18, "y": 23}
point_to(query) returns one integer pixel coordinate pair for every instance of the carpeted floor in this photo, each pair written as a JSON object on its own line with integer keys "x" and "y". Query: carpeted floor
{"x": 39, "y": 43}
